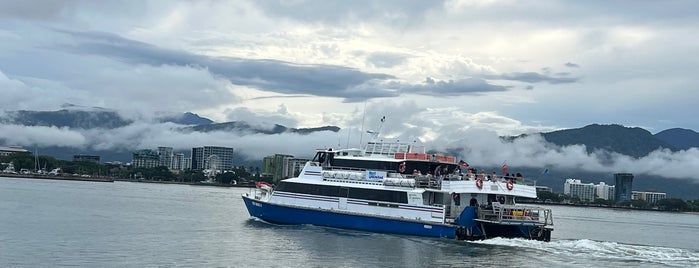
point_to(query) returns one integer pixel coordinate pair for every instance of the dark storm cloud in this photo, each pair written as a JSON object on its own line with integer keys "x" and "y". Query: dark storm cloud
{"x": 572, "y": 65}
{"x": 271, "y": 75}
{"x": 453, "y": 87}
{"x": 280, "y": 76}
{"x": 533, "y": 77}
{"x": 429, "y": 87}
{"x": 386, "y": 59}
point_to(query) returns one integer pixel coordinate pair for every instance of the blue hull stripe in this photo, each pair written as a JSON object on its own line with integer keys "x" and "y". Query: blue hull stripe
{"x": 292, "y": 215}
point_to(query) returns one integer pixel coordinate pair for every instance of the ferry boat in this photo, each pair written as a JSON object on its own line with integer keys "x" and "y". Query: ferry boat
{"x": 394, "y": 187}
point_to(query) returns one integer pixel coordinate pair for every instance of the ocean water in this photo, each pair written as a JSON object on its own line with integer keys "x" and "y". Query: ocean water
{"x": 46, "y": 223}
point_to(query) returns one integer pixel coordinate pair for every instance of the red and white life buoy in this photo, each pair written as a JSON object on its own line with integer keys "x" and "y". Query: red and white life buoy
{"x": 510, "y": 185}
{"x": 263, "y": 185}
{"x": 401, "y": 167}
{"x": 479, "y": 183}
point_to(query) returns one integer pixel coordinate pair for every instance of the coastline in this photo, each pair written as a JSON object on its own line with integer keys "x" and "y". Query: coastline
{"x": 63, "y": 178}
{"x": 109, "y": 179}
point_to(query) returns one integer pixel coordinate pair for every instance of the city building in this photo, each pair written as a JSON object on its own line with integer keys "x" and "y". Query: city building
{"x": 649, "y": 197}
{"x": 187, "y": 163}
{"x": 5, "y": 151}
{"x": 277, "y": 167}
{"x": 178, "y": 161}
{"x": 212, "y": 157}
{"x": 294, "y": 166}
{"x": 86, "y": 158}
{"x": 541, "y": 189}
{"x": 145, "y": 158}
{"x": 622, "y": 186}
{"x": 165, "y": 154}
{"x": 584, "y": 191}
{"x": 605, "y": 191}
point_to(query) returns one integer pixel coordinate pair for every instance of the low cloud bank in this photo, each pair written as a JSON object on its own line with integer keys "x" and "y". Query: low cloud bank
{"x": 477, "y": 146}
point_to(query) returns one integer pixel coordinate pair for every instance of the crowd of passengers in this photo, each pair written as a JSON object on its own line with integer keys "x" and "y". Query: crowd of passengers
{"x": 470, "y": 175}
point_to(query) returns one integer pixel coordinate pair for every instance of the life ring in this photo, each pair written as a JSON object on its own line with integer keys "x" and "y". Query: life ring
{"x": 479, "y": 183}
{"x": 510, "y": 185}
{"x": 401, "y": 167}
{"x": 263, "y": 185}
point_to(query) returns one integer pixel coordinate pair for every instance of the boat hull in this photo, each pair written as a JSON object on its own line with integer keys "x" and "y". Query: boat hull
{"x": 281, "y": 214}
{"x": 532, "y": 232}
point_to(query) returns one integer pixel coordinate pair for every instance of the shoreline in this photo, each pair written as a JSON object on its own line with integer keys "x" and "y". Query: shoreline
{"x": 108, "y": 179}
{"x": 62, "y": 178}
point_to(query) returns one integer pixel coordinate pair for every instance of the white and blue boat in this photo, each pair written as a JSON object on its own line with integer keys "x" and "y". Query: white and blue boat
{"x": 394, "y": 187}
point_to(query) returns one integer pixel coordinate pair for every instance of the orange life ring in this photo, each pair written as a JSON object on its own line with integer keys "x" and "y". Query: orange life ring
{"x": 401, "y": 168}
{"x": 510, "y": 185}
{"x": 479, "y": 183}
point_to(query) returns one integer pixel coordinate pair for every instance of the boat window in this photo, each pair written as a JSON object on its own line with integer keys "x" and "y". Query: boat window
{"x": 335, "y": 191}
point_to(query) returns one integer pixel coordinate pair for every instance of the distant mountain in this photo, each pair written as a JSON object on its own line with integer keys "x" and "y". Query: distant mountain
{"x": 245, "y": 127}
{"x": 66, "y": 118}
{"x": 187, "y": 119}
{"x": 631, "y": 141}
{"x": 680, "y": 138}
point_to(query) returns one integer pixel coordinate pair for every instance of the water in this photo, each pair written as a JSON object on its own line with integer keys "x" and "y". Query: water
{"x": 87, "y": 224}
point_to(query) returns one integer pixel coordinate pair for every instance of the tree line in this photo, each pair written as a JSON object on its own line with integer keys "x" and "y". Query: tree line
{"x": 668, "y": 204}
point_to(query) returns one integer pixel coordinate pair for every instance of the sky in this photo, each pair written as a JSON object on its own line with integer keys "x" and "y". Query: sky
{"x": 451, "y": 74}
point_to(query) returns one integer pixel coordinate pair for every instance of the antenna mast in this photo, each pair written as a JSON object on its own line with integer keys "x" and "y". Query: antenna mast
{"x": 361, "y": 132}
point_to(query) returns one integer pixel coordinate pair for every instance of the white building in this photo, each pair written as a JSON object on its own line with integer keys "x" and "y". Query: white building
{"x": 584, "y": 191}
{"x": 5, "y": 151}
{"x": 605, "y": 191}
{"x": 294, "y": 166}
{"x": 649, "y": 197}
{"x": 178, "y": 161}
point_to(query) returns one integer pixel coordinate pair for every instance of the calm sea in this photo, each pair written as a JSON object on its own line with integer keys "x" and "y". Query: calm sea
{"x": 46, "y": 223}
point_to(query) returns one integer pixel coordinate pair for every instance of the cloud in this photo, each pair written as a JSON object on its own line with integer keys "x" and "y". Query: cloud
{"x": 572, "y": 65}
{"x": 270, "y": 75}
{"x": 533, "y": 77}
{"x": 385, "y": 59}
{"x": 393, "y": 12}
{"x": 453, "y": 87}
{"x": 41, "y": 136}
{"x": 281, "y": 116}
{"x": 484, "y": 148}
{"x": 474, "y": 136}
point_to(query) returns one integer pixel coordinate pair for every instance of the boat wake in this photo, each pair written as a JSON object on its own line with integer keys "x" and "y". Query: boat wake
{"x": 605, "y": 252}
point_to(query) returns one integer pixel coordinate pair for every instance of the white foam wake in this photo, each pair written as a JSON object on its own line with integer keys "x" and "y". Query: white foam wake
{"x": 603, "y": 250}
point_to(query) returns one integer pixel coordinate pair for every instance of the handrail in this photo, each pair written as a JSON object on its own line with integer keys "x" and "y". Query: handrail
{"x": 522, "y": 214}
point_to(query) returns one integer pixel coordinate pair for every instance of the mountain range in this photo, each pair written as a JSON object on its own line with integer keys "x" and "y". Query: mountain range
{"x": 631, "y": 141}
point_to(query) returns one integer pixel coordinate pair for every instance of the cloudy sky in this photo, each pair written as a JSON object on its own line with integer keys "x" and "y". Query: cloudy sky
{"x": 438, "y": 70}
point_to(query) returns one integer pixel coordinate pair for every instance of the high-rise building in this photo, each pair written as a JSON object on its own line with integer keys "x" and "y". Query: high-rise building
{"x": 277, "y": 167}
{"x": 208, "y": 157}
{"x": 605, "y": 191}
{"x": 145, "y": 158}
{"x": 178, "y": 161}
{"x": 165, "y": 154}
{"x": 584, "y": 191}
{"x": 187, "y": 163}
{"x": 622, "y": 186}
{"x": 294, "y": 166}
